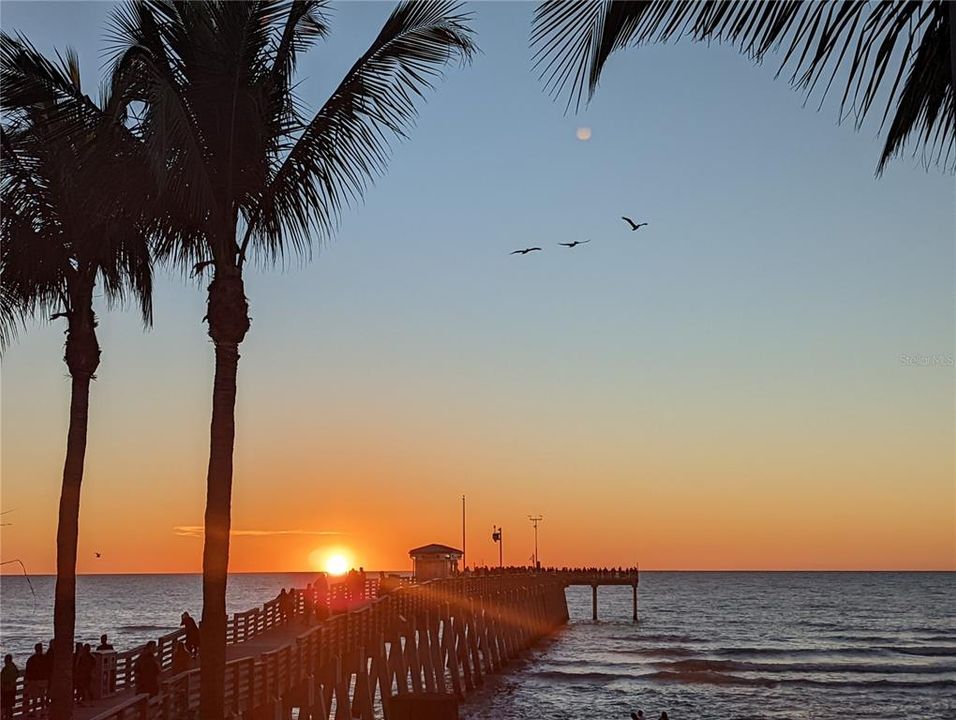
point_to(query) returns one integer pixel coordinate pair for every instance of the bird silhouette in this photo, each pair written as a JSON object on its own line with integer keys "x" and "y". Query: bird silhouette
{"x": 576, "y": 242}
{"x": 98, "y": 554}
{"x": 634, "y": 225}
{"x": 524, "y": 252}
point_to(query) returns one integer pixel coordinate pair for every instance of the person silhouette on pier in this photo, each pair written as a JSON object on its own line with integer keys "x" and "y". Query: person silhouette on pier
{"x": 321, "y": 587}
{"x": 146, "y": 670}
{"x": 320, "y": 591}
{"x": 192, "y": 634}
{"x": 104, "y": 644}
{"x": 77, "y": 651}
{"x": 308, "y": 605}
{"x": 285, "y": 603}
{"x": 47, "y": 675}
{"x": 8, "y": 686}
{"x": 182, "y": 658}
{"x": 35, "y": 678}
{"x": 83, "y": 674}
{"x": 351, "y": 582}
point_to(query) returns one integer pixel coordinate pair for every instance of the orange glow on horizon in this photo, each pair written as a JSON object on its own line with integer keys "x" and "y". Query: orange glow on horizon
{"x": 749, "y": 496}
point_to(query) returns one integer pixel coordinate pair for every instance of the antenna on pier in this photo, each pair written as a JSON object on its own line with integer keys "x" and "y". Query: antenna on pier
{"x": 535, "y": 519}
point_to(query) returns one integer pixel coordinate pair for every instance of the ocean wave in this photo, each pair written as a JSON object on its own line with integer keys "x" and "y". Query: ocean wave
{"x": 823, "y": 624}
{"x": 756, "y": 652}
{"x": 709, "y": 677}
{"x": 922, "y": 650}
{"x": 657, "y": 637}
{"x": 702, "y": 665}
{"x": 849, "y": 651}
{"x": 715, "y": 674}
{"x": 851, "y": 637}
{"x": 663, "y": 652}
{"x": 945, "y": 637}
{"x": 144, "y": 628}
{"x": 590, "y": 676}
{"x": 713, "y": 677}
{"x": 784, "y": 651}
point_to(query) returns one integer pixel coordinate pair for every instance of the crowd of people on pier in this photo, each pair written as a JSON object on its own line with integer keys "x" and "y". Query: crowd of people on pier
{"x": 36, "y": 678}
{"x": 317, "y": 601}
{"x": 519, "y": 569}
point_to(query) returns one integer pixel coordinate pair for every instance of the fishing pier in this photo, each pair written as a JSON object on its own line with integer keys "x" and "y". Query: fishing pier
{"x": 443, "y": 636}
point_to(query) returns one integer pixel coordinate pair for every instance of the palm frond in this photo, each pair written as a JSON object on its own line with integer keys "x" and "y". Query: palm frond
{"x": 11, "y": 318}
{"x": 347, "y": 143}
{"x": 75, "y": 193}
{"x": 305, "y": 24}
{"x": 925, "y": 110}
{"x": 31, "y": 81}
{"x": 147, "y": 70}
{"x": 869, "y": 47}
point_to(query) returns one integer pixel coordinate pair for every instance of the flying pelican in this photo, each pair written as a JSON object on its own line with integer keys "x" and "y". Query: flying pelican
{"x": 576, "y": 242}
{"x": 99, "y": 555}
{"x": 524, "y": 252}
{"x": 634, "y": 225}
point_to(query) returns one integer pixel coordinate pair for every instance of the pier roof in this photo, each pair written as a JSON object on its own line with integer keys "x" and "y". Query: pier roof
{"x": 434, "y": 549}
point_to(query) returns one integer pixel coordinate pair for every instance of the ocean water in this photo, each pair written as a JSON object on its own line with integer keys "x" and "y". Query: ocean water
{"x": 725, "y": 646}
{"x": 131, "y": 609}
{"x": 708, "y": 645}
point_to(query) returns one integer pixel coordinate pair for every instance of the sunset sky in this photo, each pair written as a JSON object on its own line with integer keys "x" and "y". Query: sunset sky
{"x": 728, "y": 388}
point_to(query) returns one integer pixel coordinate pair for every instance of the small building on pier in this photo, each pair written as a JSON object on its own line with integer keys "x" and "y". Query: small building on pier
{"x": 434, "y": 561}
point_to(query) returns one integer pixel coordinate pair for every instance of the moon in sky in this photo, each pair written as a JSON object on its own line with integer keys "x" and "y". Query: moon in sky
{"x": 584, "y": 133}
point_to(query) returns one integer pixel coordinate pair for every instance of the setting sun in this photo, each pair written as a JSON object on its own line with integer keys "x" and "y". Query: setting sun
{"x": 334, "y": 560}
{"x": 336, "y": 565}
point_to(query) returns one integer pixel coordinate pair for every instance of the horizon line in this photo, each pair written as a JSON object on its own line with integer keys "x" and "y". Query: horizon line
{"x": 393, "y": 570}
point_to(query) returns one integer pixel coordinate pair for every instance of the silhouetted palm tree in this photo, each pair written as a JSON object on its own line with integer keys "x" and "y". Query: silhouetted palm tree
{"x": 247, "y": 172}
{"x": 73, "y": 187}
{"x": 905, "y": 51}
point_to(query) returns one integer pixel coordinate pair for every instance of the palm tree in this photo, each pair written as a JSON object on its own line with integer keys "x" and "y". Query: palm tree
{"x": 247, "y": 173}
{"x": 905, "y": 51}
{"x": 66, "y": 229}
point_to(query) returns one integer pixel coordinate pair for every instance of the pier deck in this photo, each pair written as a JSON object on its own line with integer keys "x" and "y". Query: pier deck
{"x": 597, "y": 578}
{"x": 115, "y": 705}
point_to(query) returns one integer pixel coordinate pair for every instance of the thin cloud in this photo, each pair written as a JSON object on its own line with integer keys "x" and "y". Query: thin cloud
{"x": 196, "y": 531}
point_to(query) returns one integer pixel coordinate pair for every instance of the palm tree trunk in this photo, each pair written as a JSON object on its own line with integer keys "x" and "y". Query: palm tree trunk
{"x": 228, "y": 323}
{"x": 82, "y": 358}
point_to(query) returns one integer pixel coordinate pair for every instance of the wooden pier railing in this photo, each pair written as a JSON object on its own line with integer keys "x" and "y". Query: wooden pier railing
{"x": 440, "y": 636}
{"x": 243, "y": 626}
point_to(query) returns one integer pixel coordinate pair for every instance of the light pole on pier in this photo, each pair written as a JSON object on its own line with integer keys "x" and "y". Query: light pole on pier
{"x": 496, "y": 536}
{"x": 535, "y": 519}
{"x": 464, "y": 563}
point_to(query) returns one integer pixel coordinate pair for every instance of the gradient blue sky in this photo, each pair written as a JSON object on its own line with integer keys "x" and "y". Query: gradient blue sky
{"x": 704, "y": 393}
